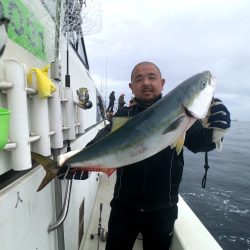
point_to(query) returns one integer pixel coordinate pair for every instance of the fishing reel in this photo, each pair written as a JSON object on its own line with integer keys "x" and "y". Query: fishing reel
{"x": 83, "y": 97}
{"x": 3, "y": 33}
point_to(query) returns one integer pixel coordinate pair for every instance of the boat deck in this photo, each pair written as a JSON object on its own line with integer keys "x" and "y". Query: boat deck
{"x": 185, "y": 230}
{"x": 104, "y": 196}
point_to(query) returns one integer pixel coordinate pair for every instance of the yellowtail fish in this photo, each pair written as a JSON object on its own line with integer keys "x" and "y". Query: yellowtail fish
{"x": 161, "y": 125}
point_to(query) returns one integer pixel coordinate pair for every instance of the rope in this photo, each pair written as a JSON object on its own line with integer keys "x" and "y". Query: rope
{"x": 204, "y": 179}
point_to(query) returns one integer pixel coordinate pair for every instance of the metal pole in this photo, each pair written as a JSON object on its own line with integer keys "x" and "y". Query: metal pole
{"x": 57, "y": 32}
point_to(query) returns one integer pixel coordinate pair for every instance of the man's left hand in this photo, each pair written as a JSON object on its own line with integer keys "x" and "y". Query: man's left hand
{"x": 218, "y": 119}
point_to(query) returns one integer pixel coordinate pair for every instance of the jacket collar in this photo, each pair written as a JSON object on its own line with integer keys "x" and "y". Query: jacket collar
{"x": 142, "y": 106}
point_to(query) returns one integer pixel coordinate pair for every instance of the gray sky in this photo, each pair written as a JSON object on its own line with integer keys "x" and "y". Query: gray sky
{"x": 183, "y": 37}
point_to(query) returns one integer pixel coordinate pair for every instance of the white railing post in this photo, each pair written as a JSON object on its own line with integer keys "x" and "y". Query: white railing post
{"x": 17, "y": 103}
{"x": 69, "y": 113}
{"x": 55, "y": 118}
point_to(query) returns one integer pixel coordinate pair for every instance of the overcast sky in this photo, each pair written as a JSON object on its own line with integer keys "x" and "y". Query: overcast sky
{"x": 183, "y": 37}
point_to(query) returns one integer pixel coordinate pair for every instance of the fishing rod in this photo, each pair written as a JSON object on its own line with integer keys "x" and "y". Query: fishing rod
{"x": 101, "y": 232}
{"x": 67, "y": 84}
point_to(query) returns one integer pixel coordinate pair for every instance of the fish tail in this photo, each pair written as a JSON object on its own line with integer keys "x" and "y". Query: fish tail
{"x": 50, "y": 166}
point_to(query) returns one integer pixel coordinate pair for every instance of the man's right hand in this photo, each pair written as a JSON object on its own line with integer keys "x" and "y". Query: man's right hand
{"x": 68, "y": 173}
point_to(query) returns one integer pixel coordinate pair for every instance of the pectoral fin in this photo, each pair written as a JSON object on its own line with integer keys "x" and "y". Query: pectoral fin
{"x": 174, "y": 125}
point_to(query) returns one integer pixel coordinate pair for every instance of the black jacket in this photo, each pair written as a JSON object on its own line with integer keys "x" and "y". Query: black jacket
{"x": 153, "y": 184}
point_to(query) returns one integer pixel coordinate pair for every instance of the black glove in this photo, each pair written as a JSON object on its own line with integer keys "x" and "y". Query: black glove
{"x": 68, "y": 173}
{"x": 219, "y": 116}
{"x": 218, "y": 119}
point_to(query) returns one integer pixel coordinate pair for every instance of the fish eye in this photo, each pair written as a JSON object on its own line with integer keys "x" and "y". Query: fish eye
{"x": 203, "y": 84}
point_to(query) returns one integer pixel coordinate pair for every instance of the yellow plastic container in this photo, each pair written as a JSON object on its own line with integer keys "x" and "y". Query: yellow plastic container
{"x": 4, "y": 127}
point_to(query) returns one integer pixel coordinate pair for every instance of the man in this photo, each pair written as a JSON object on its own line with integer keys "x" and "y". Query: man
{"x": 146, "y": 194}
{"x": 111, "y": 102}
{"x": 121, "y": 101}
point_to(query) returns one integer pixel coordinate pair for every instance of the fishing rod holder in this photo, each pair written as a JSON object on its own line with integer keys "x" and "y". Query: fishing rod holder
{"x": 83, "y": 97}
{"x": 55, "y": 70}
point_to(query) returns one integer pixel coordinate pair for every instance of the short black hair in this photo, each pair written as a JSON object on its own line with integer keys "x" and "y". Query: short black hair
{"x": 143, "y": 63}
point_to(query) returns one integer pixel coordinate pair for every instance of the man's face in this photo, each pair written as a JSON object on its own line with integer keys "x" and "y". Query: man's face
{"x": 146, "y": 83}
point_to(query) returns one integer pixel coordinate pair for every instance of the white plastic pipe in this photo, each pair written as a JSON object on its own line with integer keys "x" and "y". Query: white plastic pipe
{"x": 80, "y": 119}
{"x": 40, "y": 122}
{"x": 17, "y": 103}
{"x": 69, "y": 113}
{"x": 55, "y": 115}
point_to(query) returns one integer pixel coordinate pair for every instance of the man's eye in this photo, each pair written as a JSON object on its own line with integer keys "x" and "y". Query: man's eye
{"x": 138, "y": 79}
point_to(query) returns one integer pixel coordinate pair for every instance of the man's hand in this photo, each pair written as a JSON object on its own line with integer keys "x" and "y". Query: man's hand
{"x": 218, "y": 119}
{"x": 68, "y": 173}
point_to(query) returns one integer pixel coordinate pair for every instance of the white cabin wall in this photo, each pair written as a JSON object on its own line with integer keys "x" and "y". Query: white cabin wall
{"x": 13, "y": 50}
{"x": 11, "y": 218}
{"x": 24, "y": 225}
{"x": 24, "y": 222}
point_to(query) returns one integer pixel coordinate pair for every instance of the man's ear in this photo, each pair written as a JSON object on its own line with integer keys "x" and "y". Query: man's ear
{"x": 163, "y": 81}
{"x": 130, "y": 86}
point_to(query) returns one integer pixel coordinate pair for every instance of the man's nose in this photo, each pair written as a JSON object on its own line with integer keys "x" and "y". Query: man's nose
{"x": 146, "y": 81}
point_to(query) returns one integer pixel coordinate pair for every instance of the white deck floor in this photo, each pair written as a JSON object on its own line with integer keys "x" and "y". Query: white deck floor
{"x": 104, "y": 196}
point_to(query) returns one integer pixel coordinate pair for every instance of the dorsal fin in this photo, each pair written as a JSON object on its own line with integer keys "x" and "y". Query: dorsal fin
{"x": 118, "y": 122}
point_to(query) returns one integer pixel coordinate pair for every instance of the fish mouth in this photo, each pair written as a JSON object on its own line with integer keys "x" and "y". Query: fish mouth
{"x": 191, "y": 114}
{"x": 187, "y": 112}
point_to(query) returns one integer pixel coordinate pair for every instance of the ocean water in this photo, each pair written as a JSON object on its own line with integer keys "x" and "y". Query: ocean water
{"x": 224, "y": 205}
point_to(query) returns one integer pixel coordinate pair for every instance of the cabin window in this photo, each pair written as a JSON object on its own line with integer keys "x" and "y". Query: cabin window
{"x": 79, "y": 47}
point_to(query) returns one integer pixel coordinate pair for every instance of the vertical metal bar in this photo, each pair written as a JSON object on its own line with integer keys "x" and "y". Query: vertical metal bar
{"x": 57, "y": 31}
{"x": 56, "y": 152}
{"x": 58, "y": 203}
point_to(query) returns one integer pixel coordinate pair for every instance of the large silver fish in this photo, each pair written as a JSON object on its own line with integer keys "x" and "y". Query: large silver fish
{"x": 163, "y": 124}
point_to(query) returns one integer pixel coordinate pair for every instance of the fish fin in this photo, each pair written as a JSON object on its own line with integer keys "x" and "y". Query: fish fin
{"x": 174, "y": 125}
{"x": 179, "y": 144}
{"x": 118, "y": 122}
{"x": 50, "y": 166}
